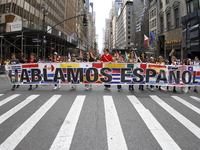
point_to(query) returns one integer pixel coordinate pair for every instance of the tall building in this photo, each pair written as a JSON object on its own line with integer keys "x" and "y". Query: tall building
{"x": 91, "y": 32}
{"x": 169, "y": 26}
{"x": 107, "y": 33}
{"x": 23, "y": 23}
{"x": 141, "y": 24}
{"x": 124, "y": 26}
{"x": 87, "y": 5}
{"x": 153, "y": 17}
{"x": 191, "y": 29}
{"x": 116, "y": 6}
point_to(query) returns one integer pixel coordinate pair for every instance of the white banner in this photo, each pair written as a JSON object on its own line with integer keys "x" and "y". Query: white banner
{"x": 14, "y": 26}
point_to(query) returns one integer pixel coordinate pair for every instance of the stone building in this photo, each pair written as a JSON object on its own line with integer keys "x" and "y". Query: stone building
{"x": 191, "y": 29}
{"x": 169, "y": 26}
{"x": 23, "y": 24}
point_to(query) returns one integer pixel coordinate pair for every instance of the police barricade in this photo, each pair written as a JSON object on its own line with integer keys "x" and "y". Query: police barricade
{"x": 103, "y": 73}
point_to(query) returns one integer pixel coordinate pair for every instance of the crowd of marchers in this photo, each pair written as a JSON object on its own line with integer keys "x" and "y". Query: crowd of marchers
{"x": 107, "y": 57}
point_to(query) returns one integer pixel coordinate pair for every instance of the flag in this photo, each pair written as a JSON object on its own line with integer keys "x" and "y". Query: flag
{"x": 136, "y": 58}
{"x": 91, "y": 54}
{"x": 146, "y": 41}
{"x": 151, "y": 38}
{"x": 69, "y": 56}
{"x": 117, "y": 54}
{"x": 72, "y": 36}
{"x": 81, "y": 54}
{"x": 126, "y": 55}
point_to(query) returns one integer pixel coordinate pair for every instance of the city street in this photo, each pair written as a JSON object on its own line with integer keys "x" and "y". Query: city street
{"x": 44, "y": 118}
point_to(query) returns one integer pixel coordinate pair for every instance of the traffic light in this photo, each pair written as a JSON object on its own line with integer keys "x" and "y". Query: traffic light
{"x": 84, "y": 21}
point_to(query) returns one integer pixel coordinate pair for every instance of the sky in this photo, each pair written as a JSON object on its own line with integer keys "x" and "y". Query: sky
{"x": 102, "y": 9}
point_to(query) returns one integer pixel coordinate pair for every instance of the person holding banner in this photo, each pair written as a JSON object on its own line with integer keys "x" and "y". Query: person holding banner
{"x": 196, "y": 63}
{"x": 132, "y": 59}
{"x": 88, "y": 58}
{"x": 14, "y": 61}
{"x": 172, "y": 61}
{"x": 121, "y": 60}
{"x": 152, "y": 61}
{"x": 73, "y": 59}
{"x": 56, "y": 59}
{"x": 142, "y": 59}
{"x": 160, "y": 62}
{"x": 32, "y": 60}
{"x": 106, "y": 57}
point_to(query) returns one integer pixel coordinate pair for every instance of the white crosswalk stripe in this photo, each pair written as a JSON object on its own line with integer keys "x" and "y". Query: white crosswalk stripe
{"x": 187, "y": 123}
{"x": 195, "y": 98}
{"x": 160, "y": 134}
{"x": 64, "y": 137}
{"x": 17, "y": 108}
{"x": 8, "y": 99}
{"x": 115, "y": 135}
{"x": 13, "y": 140}
{"x": 197, "y": 110}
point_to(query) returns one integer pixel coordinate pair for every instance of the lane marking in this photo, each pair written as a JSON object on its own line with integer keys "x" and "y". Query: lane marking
{"x": 15, "y": 109}
{"x": 194, "y": 108}
{"x": 195, "y": 98}
{"x": 15, "y": 138}
{"x": 187, "y": 123}
{"x": 8, "y": 99}
{"x": 64, "y": 137}
{"x": 160, "y": 134}
{"x": 1, "y": 94}
{"x": 115, "y": 135}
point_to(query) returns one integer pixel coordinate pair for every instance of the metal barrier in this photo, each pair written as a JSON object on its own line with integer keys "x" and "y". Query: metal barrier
{"x": 2, "y": 69}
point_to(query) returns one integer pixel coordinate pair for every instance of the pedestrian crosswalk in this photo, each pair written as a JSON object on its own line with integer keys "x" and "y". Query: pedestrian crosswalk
{"x": 116, "y": 136}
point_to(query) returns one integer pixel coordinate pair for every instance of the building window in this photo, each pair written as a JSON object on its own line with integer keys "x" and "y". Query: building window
{"x": 161, "y": 4}
{"x": 193, "y": 5}
{"x": 167, "y": 1}
{"x": 176, "y": 12}
{"x": 168, "y": 22}
{"x": 161, "y": 24}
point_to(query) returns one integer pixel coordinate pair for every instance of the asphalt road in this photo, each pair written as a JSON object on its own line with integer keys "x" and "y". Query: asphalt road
{"x": 44, "y": 118}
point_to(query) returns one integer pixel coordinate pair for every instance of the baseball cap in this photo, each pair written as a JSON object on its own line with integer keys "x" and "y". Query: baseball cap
{"x": 55, "y": 53}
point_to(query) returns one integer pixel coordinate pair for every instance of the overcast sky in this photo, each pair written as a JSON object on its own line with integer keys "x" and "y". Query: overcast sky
{"x": 102, "y": 9}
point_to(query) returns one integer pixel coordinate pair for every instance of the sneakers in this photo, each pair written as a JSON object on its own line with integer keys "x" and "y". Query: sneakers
{"x": 87, "y": 88}
{"x": 13, "y": 89}
{"x": 108, "y": 89}
{"x": 195, "y": 90}
{"x": 18, "y": 86}
{"x": 151, "y": 89}
{"x": 30, "y": 89}
{"x": 36, "y": 86}
{"x": 57, "y": 87}
{"x": 174, "y": 90}
{"x": 72, "y": 88}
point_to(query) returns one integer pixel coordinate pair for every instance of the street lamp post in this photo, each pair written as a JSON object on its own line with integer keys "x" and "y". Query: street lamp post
{"x": 45, "y": 13}
{"x": 1, "y": 46}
